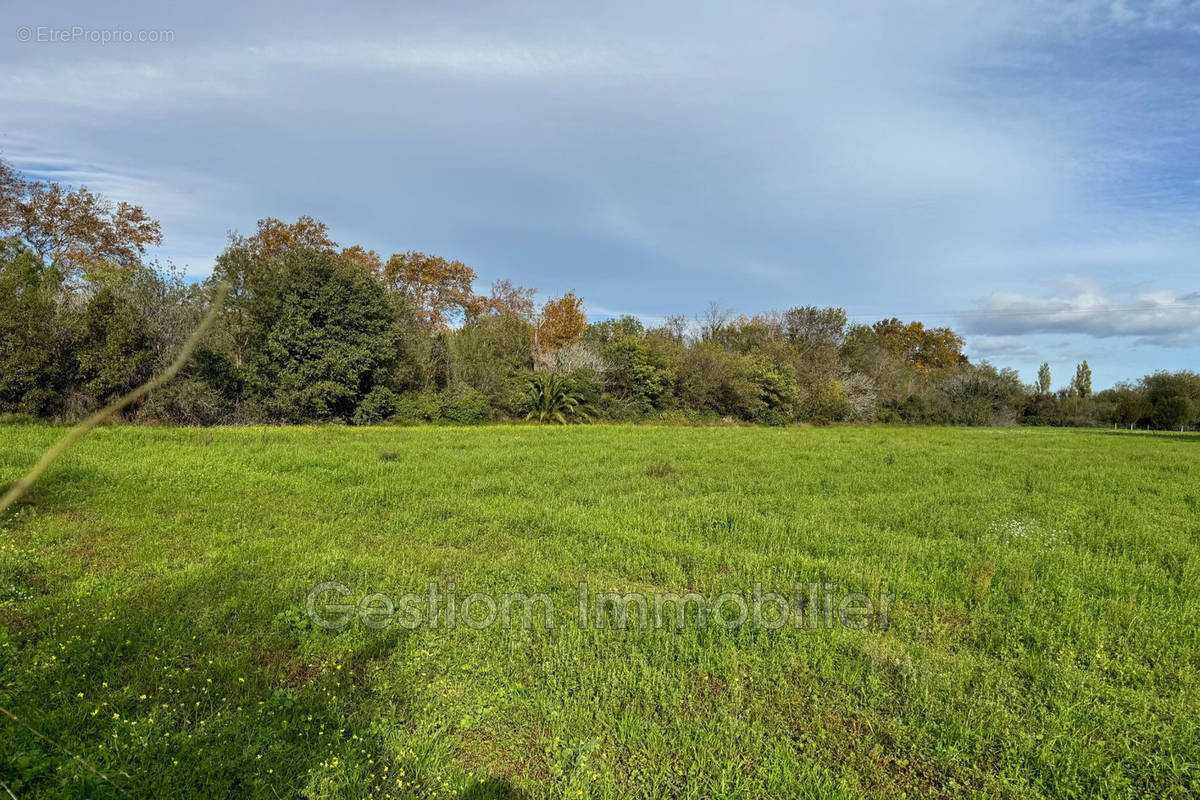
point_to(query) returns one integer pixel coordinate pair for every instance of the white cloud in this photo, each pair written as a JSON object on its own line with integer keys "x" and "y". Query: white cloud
{"x": 1150, "y": 316}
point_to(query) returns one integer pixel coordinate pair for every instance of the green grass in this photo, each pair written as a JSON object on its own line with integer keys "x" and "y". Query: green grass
{"x": 1043, "y": 642}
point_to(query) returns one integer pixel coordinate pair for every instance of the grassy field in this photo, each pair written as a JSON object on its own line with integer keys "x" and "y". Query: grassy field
{"x": 1042, "y": 641}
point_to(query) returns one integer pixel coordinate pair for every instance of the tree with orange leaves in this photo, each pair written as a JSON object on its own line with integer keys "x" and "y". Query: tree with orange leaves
{"x": 369, "y": 260}
{"x": 562, "y": 322}
{"x": 440, "y": 290}
{"x": 927, "y": 349}
{"x": 73, "y": 230}
{"x": 275, "y": 237}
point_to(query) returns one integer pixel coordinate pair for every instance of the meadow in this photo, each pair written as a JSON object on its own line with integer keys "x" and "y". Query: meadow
{"x": 155, "y": 640}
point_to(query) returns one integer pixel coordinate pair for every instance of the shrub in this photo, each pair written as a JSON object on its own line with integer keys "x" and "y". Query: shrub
{"x": 1041, "y": 409}
{"x": 721, "y": 381}
{"x": 510, "y": 400}
{"x": 324, "y": 400}
{"x": 380, "y": 405}
{"x": 860, "y": 395}
{"x": 826, "y": 401}
{"x": 464, "y": 405}
{"x": 187, "y": 401}
{"x": 980, "y": 394}
{"x": 417, "y": 407}
{"x": 777, "y": 391}
{"x": 589, "y": 384}
{"x": 632, "y": 374}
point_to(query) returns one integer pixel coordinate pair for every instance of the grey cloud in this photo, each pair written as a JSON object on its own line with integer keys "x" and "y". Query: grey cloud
{"x": 1150, "y": 317}
{"x": 1000, "y": 347}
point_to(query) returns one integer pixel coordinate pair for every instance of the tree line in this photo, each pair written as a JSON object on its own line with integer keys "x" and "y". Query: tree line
{"x": 311, "y": 330}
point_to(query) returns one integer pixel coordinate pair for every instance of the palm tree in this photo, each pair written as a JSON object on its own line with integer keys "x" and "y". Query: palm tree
{"x": 552, "y": 398}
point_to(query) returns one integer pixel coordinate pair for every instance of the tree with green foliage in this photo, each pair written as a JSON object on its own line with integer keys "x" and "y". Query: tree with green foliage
{"x": 635, "y": 375}
{"x": 1043, "y": 378}
{"x": 1173, "y": 412}
{"x": 1128, "y": 405}
{"x": 892, "y": 378}
{"x": 312, "y": 330}
{"x": 608, "y": 331}
{"x": 34, "y": 341}
{"x": 809, "y": 328}
{"x": 981, "y": 394}
{"x": 114, "y": 350}
{"x": 726, "y": 383}
{"x": 488, "y": 353}
{"x": 321, "y": 335}
{"x": 777, "y": 392}
{"x": 1173, "y": 398}
{"x": 1081, "y": 384}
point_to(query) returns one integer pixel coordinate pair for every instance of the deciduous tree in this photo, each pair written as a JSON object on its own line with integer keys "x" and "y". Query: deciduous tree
{"x": 926, "y": 349}
{"x": 369, "y": 260}
{"x": 510, "y": 300}
{"x": 1081, "y": 384}
{"x": 276, "y": 238}
{"x": 440, "y": 290}
{"x": 1173, "y": 412}
{"x": 1043, "y": 379}
{"x": 73, "y": 230}
{"x": 115, "y": 349}
{"x": 809, "y": 328}
{"x": 562, "y": 322}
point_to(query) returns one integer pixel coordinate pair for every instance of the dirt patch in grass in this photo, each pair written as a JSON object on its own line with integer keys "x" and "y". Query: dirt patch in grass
{"x": 285, "y": 668}
{"x": 698, "y": 704}
{"x": 884, "y": 773}
{"x": 661, "y": 469}
{"x": 893, "y": 776}
{"x": 94, "y": 542}
{"x": 518, "y": 758}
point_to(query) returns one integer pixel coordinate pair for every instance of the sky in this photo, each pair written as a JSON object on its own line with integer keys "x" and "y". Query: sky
{"x": 1024, "y": 171}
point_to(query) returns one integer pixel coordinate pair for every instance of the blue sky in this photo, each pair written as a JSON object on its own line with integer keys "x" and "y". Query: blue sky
{"x": 1026, "y": 172}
